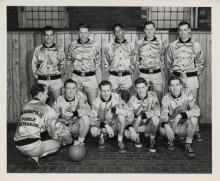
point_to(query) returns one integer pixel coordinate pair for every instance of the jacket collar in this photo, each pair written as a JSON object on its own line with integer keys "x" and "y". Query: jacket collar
{"x": 174, "y": 96}
{"x": 120, "y": 42}
{"x": 154, "y": 39}
{"x": 78, "y": 40}
{"x": 187, "y": 41}
{"x": 143, "y": 98}
{"x": 69, "y": 100}
{"x": 53, "y": 45}
{"x": 105, "y": 100}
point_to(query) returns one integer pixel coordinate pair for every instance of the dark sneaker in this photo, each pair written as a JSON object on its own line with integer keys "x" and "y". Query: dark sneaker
{"x": 102, "y": 141}
{"x": 152, "y": 148}
{"x": 170, "y": 145}
{"x": 33, "y": 163}
{"x": 138, "y": 143}
{"x": 189, "y": 151}
{"x": 122, "y": 147}
{"x": 198, "y": 137}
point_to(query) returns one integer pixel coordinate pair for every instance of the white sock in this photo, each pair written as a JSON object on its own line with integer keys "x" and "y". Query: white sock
{"x": 81, "y": 140}
{"x": 120, "y": 138}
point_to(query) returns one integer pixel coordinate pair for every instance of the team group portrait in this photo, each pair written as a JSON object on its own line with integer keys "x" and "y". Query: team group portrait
{"x": 109, "y": 89}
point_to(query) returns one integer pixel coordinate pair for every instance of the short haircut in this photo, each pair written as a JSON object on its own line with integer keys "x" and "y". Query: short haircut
{"x": 48, "y": 28}
{"x": 174, "y": 78}
{"x": 105, "y": 82}
{"x": 139, "y": 81}
{"x": 119, "y": 25}
{"x": 36, "y": 89}
{"x": 69, "y": 81}
{"x": 181, "y": 23}
{"x": 149, "y": 23}
{"x": 83, "y": 25}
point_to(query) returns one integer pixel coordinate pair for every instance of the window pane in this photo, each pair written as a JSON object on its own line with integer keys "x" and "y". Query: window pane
{"x": 35, "y": 8}
{"x": 55, "y": 15}
{"x": 160, "y": 9}
{"x": 160, "y": 24}
{"x": 42, "y": 15}
{"x": 167, "y": 24}
{"x": 61, "y": 8}
{"x": 28, "y": 8}
{"x": 154, "y": 16}
{"x": 61, "y": 15}
{"x": 48, "y": 8}
{"x": 173, "y": 8}
{"x": 154, "y": 9}
{"x": 42, "y": 23}
{"x": 35, "y": 24}
{"x": 41, "y": 8}
{"x": 167, "y": 9}
{"x": 48, "y": 15}
{"x": 167, "y": 15}
{"x": 48, "y": 23}
{"x": 180, "y": 15}
{"x": 173, "y": 15}
{"x": 180, "y": 8}
{"x": 54, "y": 8}
{"x": 35, "y": 15}
{"x": 173, "y": 24}
{"x": 28, "y": 15}
{"x": 161, "y": 15}
{"x": 55, "y": 23}
{"x": 29, "y": 23}
{"x": 186, "y": 15}
{"x": 186, "y": 9}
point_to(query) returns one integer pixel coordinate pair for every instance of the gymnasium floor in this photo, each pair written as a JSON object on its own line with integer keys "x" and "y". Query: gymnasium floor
{"x": 108, "y": 160}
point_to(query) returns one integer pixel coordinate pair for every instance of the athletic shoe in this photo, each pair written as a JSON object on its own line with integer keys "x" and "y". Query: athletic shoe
{"x": 102, "y": 139}
{"x": 170, "y": 145}
{"x": 198, "y": 137}
{"x": 189, "y": 151}
{"x": 122, "y": 147}
{"x": 138, "y": 143}
{"x": 34, "y": 163}
{"x": 152, "y": 148}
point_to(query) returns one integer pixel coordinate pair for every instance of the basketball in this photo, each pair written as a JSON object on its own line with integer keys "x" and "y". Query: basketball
{"x": 77, "y": 152}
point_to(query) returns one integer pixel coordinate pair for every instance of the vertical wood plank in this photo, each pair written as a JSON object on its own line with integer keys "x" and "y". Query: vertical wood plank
{"x": 38, "y": 39}
{"x": 60, "y": 40}
{"x": 30, "y": 50}
{"x": 67, "y": 41}
{"x": 16, "y": 76}
{"x": 201, "y": 38}
{"x": 23, "y": 69}
{"x": 209, "y": 81}
{"x": 10, "y": 108}
{"x": 104, "y": 41}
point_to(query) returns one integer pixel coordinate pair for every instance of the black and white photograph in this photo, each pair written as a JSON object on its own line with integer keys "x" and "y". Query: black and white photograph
{"x": 109, "y": 89}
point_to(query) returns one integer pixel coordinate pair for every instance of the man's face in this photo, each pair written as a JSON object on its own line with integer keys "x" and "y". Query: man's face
{"x": 83, "y": 34}
{"x": 49, "y": 37}
{"x": 149, "y": 30}
{"x": 119, "y": 33}
{"x": 106, "y": 92}
{"x": 141, "y": 90}
{"x": 70, "y": 90}
{"x": 43, "y": 95}
{"x": 184, "y": 32}
{"x": 175, "y": 88}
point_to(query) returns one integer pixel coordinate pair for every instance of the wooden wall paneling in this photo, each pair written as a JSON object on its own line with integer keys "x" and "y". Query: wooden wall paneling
{"x": 23, "y": 69}
{"x": 209, "y": 81}
{"x": 16, "y": 76}
{"x": 38, "y": 39}
{"x": 104, "y": 42}
{"x": 67, "y": 41}
{"x": 30, "y": 50}
{"x": 201, "y": 38}
{"x": 60, "y": 40}
{"x": 10, "y": 81}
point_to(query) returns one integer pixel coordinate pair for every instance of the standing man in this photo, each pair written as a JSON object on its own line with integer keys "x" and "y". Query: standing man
{"x": 84, "y": 59}
{"x": 145, "y": 109}
{"x": 73, "y": 110}
{"x": 108, "y": 116}
{"x": 36, "y": 118}
{"x": 179, "y": 115}
{"x": 119, "y": 55}
{"x": 47, "y": 63}
{"x": 150, "y": 57}
{"x": 185, "y": 59}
